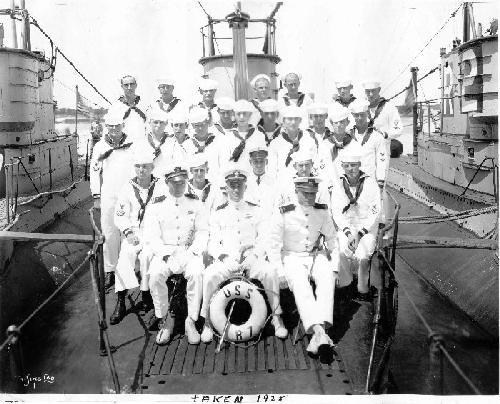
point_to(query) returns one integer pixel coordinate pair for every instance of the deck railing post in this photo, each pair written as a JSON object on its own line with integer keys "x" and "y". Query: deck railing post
{"x": 436, "y": 374}
{"x": 102, "y": 292}
{"x": 15, "y": 358}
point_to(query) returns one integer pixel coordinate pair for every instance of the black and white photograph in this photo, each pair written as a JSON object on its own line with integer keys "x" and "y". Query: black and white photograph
{"x": 249, "y": 201}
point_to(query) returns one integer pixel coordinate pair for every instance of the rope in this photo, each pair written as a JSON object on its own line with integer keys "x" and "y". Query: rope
{"x": 430, "y": 331}
{"x": 418, "y": 81}
{"x": 450, "y": 216}
{"x": 45, "y": 302}
{"x": 35, "y": 23}
{"x": 474, "y": 176}
{"x": 425, "y": 46}
{"x": 29, "y": 176}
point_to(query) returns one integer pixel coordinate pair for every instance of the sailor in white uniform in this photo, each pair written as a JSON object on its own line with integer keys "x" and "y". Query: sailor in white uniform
{"x": 290, "y": 140}
{"x": 176, "y": 148}
{"x": 261, "y": 85}
{"x": 198, "y": 183}
{"x": 155, "y": 141}
{"x": 207, "y": 89}
{"x": 177, "y": 234}
{"x": 167, "y": 101}
{"x": 236, "y": 245}
{"x": 134, "y": 199}
{"x": 374, "y": 161}
{"x": 317, "y": 114}
{"x": 244, "y": 135}
{"x": 295, "y": 244}
{"x": 344, "y": 96}
{"x": 110, "y": 170}
{"x": 225, "y": 109}
{"x": 132, "y": 109}
{"x": 205, "y": 142}
{"x": 268, "y": 123}
{"x": 355, "y": 208}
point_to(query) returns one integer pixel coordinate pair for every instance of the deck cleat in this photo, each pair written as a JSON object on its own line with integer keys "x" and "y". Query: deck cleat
{"x": 191, "y": 332}
{"x": 207, "y": 335}
{"x": 279, "y": 329}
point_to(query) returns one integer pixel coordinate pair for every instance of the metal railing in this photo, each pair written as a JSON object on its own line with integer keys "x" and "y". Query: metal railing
{"x": 12, "y": 344}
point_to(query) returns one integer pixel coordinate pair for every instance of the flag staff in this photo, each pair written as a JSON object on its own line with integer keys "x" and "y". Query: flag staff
{"x": 76, "y": 111}
{"x": 414, "y": 71}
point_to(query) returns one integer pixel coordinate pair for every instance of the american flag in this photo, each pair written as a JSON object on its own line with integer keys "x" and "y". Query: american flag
{"x": 81, "y": 104}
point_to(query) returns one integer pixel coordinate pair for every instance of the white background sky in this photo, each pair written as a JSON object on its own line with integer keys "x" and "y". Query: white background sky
{"x": 323, "y": 39}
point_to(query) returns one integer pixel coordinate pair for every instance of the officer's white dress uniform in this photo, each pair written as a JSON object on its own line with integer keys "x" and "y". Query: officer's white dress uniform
{"x": 131, "y": 206}
{"x": 294, "y": 232}
{"x": 263, "y": 191}
{"x": 110, "y": 170}
{"x": 232, "y": 227}
{"x": 358, "y": 217}
{"x": 177, "y": 228}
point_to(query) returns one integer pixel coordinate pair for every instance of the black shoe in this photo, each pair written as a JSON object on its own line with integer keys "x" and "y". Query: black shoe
{"x": 325, "y": 353}
{"x": 146, "y": 304}
{"x": 109, "y": 280}
{"x": 119, "y": 312}
{"x": 365, "y": 297}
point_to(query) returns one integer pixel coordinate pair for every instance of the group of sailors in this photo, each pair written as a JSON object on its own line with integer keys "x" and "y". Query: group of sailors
{"x": 288, "y": 192}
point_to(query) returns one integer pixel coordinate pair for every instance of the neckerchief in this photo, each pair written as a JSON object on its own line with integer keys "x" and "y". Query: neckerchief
{"x": 345, "y": 103}
{"x": 200, "y": 148}
{"x": 143, "y": 204}
{"x": 114, "y": 146}
{"x": 221, "y": 129}
{"x": 171, "y": 104}
{"x": 313, "y": 135}
{"x": 274, "y": 135}
{"x": 359, "y": 188}
{"x": 157, "y": 149}
{"x": 243, "y": 141}
{"x": 258, "y": 179}
{"x": 338, "y": 145}
{"x": 202, "y": 105}
{"x": 132, "y": 107}
{"x": 205, "y": 190}
{"x": 256, "y": 104}
{"x": 366, "y": 136}
{"x": 295, "y": 146}
{"x": 300, "y": 99}
{"x": 378, "y": 110}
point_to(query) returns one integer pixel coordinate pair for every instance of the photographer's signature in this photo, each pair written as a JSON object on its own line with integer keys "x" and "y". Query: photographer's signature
{"x": 31, "y": 380}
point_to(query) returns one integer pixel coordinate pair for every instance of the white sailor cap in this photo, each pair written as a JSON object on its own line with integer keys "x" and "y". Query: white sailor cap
{"x": 243, "y": 106}
{"x": 284, "y": 75}
{"x": 176, "y": 170}
{"x": 306, "y": 182}
{"x": 291, "y": 111}
{"x": 343, "y": 83}
{"x": 114, "y": 117}
{"x": 157, "y": 114}
{"x": 351, "y": 154}
{"x": 317, "y": 109}
{"x": 358, "y": 106}
{"x": 142, "y": 157}
{"x": 208, "y": 84}
{"x": 198, "y": 114}
{"x": 225, "y": 103}
{"x": 197, "y": 160}
{"x": 165, "y": 81}
{"x": 234, "y": 172}
{"x": 178, "y": 115}
{"x": 337, "y": 112}
{"x": 302, "y": 155}
{"x": 260, "y": 77}
{"x": 258, "y": 149}
{"x": 371, "y": 84}
{"x": 269, "y": 105}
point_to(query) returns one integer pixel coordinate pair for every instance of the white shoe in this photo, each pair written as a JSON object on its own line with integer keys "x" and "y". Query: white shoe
{"x": 279, "y": 329}
{"x": 164, "y": 332}
{"x": 191, "y": 332}
{"x": 207, "y": 334}
{"x": 313, "y": 345}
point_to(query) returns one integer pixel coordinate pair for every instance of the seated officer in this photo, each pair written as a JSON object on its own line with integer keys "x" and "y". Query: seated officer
{"x": 295, "y": 235}
{"x": 177, "y": 233}
{"x": 236, "y": 235}
{"x": 355, "y": 208}
{"x": 133, "y": 200}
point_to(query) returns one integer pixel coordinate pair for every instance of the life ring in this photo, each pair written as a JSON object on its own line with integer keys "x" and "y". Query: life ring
{"x": 242, "y": 292}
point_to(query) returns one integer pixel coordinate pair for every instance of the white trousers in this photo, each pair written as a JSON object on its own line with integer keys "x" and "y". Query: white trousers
{"x": 363, "y": 252}
{"x": 111, "y": 233}
{"x": 218, "y": 272}
{"x": 125, "y": 277}
{"x": 312, "y": 310}
{"x": 160, "y": 271}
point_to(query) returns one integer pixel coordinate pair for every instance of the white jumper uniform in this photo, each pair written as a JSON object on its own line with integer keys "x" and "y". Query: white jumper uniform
{"x": 110, "y": 170}
{"x": 212, "y": 150}
{"x": 281, "y": 149}
{"x": 159, "y": 150}
{"x": 177, "y": 228}
{"x": 134, "y": 117}
{"x": 295, "y": 230}
{"x": 374, "y": 160}
{"x": 360, "y": 218}
{"x": 234, "y": 226}
{"x": 131, "y": 206}
{"x": 238, "y": 143}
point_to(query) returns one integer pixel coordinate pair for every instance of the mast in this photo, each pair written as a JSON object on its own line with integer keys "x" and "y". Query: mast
{"x": 238, "y": 21}
{"x": 414, "y": 71}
